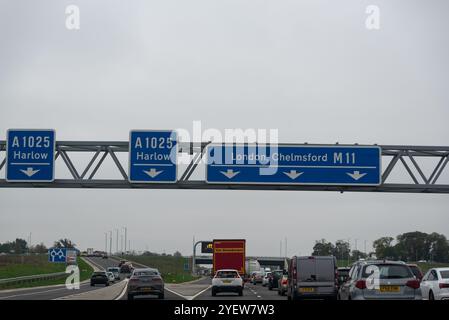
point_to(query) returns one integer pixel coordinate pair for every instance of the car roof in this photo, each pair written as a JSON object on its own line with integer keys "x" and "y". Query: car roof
{"x": 227, "y": 270}
{"x": 145, "y": 269}
{"x": 367, "y": 262}
{"x": 441, "y": 269}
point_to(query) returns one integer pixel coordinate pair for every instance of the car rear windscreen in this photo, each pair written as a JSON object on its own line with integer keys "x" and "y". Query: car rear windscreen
{"x": 445, "y": 274}
{"x": 226, "y": 274}
{"x": 391, "y": 271}
{"x": 415, "y": 271}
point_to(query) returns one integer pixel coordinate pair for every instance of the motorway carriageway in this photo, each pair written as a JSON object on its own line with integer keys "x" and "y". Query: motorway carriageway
{"x": 56, "y": 291}
{"x": 196, "y": 290}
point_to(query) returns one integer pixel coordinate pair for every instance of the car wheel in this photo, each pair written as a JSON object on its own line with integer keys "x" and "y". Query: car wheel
{"x": 214, "y": 293}
{"x": 130, "y": 297}
{"x": 161, "y": 296}
{"x": 107, "y": 284}
{"x": 270, "y": 288}
{"x": 92, "y": 285}
{"x": 241, "y": 292}
{"x": 431, "y": 296}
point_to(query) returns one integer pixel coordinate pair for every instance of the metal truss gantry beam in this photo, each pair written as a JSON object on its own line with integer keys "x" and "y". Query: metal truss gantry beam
{"x": 407, "y": 156}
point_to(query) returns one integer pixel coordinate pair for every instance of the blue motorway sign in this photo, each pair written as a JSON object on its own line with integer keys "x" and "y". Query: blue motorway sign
{"x": 153, "y": 156}
{"x": 283, "y": 164}
{"x": 30, "y": 155}
{"x": 57, "y": 255}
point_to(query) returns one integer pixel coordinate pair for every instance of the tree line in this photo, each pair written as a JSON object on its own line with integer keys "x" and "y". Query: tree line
{"x": 20, "y": 246}
{"x": 409, "y": 246}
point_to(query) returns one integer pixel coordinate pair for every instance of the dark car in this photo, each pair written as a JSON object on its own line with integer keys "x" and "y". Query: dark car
{"x": 99, "y": 277}
{"x": 343, "y": 275}
{"x": 416, "y": 271}
{"x": 121, "y": 263}
{"x": 147, "y": 281}
{"x": 126, "y": 268}
{"x": 273, "y": 280}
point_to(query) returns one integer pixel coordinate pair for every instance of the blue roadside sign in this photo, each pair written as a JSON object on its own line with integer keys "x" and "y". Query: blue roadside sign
{"x": 30, "y": 155}
{"x": 287, "y": 164}
{"x": 57, "y": 255}
{"x": 153, "y": 156}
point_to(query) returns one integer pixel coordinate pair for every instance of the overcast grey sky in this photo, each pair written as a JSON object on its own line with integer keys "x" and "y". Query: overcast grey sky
{"x": 308, "y": 68}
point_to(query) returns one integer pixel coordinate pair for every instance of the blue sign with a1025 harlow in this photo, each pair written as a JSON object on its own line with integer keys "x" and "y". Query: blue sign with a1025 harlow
{"x": 153, "y": 156}
{"x": 30, "y": 155}
{"x": 287, "y": 164}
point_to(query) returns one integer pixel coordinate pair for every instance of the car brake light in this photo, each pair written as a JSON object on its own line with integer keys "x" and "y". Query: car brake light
{"x": 414, "y": 284}
{"x": 361, "y": 284}
{"x": 444, "y": 285}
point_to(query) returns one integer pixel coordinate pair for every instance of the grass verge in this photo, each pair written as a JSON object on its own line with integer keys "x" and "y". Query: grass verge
{"x": 17, "y": 270}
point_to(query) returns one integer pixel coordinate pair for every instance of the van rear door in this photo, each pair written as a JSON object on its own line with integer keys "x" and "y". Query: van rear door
{"x": 317, "y": 275}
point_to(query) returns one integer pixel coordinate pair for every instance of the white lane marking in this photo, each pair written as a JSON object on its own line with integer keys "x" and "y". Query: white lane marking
{"x": 38, "y": 292}
{"x": 120, "y": 296}
{"x": 174, "y": 292}
{"x": 90, "y": 291}
{"x": 84, "y": 283}
{"x": 202, "y": 291}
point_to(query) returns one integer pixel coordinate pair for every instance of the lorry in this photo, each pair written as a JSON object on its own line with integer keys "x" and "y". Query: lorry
{"x": 251, "y": 266}
{"x": 229, "y": 254}
{"x": 90, "y": 252}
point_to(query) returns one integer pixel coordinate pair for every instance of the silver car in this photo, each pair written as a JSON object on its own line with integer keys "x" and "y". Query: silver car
{"x": 380, "y": 280}
{"x": 115, "y": 271}
{"x": 110, "y": 276}
{"x": 145, "y": 281}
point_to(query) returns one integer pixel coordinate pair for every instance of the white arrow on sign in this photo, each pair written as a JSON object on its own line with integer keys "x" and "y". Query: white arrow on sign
{"x": 356, "y": 175}
{"x": 30, "y": 172}
{"x": 230, "y": 173}
{"x": 152, "y": 172}
{"x": 292, "y": 174}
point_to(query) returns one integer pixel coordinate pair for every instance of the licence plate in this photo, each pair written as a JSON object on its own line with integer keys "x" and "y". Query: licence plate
{"x": 308, "y": 290}
{"x": 146, "y": 289}
{"x": 227, "y": 281}
{"x": 389, "y": 289}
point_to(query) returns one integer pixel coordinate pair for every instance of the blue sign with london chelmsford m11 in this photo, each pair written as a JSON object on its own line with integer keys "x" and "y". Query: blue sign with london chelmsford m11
{"x": 286, "y": 164}
{"x": 153, "y": 156}
{"x": 30, "y": 155}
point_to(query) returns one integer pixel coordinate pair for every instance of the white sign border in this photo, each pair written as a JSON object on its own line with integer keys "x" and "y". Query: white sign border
{"x": 295, "y": 146}
{"x": 53, "y": 160}
{"x": 129, "y": 158}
